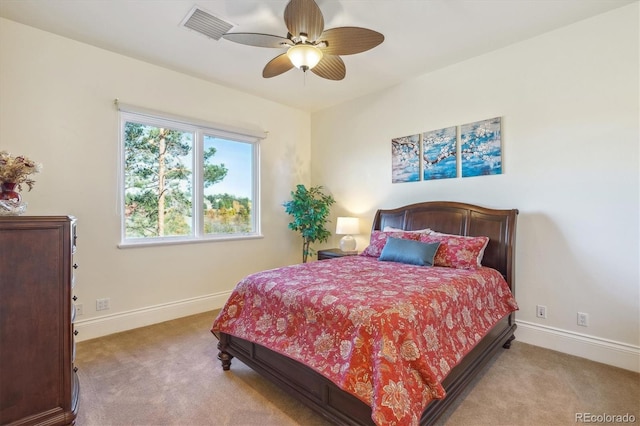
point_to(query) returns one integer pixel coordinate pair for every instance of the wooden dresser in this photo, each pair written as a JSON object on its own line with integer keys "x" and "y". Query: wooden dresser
{"x": 38, "y": 381}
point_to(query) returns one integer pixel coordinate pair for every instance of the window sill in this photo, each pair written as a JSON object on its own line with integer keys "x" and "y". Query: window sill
{"x": 180, "y": 241}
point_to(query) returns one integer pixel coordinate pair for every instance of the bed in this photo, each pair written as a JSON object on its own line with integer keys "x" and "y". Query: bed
{"x": 299, "y": 371}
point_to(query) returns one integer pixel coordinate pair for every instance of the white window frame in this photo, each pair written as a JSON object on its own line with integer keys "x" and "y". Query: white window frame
{"x": 200, "y": 129}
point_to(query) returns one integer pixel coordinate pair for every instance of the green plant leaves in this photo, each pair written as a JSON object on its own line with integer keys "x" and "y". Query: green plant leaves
{"x": 310, "y": 209}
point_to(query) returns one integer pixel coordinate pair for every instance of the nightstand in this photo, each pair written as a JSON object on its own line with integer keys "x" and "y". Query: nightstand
{"x": 333, "y": 253}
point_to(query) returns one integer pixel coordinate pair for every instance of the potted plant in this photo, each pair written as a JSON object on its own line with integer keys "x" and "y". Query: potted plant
{"x": 310, "y": 210}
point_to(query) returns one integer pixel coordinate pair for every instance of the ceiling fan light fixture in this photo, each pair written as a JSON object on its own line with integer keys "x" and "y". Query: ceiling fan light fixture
{"x": 309, "y": 46}
{"x": 304, "y": 56}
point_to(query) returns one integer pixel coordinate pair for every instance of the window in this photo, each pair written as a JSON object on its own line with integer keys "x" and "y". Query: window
{"x": 186, "y": 181}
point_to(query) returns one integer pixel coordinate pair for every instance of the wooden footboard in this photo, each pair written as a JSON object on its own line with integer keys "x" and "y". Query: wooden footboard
{"x": 340, "y": 407}
{"x": 303, "y": 383}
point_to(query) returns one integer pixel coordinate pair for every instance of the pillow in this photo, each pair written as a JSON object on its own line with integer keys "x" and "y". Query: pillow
{"x": 419, "y": 231}
{"x": 409, "y": 251}
{"x": 457, "y": 251}
{"x": 379, "y": 238}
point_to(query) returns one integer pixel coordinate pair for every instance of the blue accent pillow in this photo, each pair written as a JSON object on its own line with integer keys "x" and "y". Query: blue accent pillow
{"x": 409, "y": 251}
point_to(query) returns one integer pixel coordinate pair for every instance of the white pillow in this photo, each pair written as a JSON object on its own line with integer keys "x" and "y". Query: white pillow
{"x": 417, "y": 231}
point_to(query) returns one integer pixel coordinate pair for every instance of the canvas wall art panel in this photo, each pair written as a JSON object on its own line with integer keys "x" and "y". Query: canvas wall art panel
{"x": 405, "y": 159}
{"x": 481, "y": 148}
{"x": 439, "y": 159}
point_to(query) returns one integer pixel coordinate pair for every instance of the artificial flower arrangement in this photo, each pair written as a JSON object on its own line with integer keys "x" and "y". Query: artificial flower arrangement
{"x": 17, "y": 170}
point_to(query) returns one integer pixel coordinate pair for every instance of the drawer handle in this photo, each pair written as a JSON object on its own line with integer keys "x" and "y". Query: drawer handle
{"x": 75, "y": 266}
{"x": 75, "y": 298}
{"x": 75, "y": 332}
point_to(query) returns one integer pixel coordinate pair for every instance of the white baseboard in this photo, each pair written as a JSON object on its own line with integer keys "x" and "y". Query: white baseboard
{"x": 596, "y": 349}
{"x": 115, "y": 323}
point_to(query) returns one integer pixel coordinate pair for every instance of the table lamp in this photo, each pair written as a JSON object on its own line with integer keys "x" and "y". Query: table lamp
{"x": 348, "y": 226}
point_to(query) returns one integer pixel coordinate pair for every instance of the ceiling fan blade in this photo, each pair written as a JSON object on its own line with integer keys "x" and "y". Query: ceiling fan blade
{"x": 304, "y": 16}
{"x": 259, "y": 40}
{"x": 349, "y": 40}
{"x": 330, "y": 67}
{"x": 278, "y": 65}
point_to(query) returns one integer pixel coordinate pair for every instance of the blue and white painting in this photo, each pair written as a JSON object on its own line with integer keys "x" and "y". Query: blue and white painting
{"x": 405, "y": 159}
{"x": 439, "y": 160}
{"x": 481, "y": 148}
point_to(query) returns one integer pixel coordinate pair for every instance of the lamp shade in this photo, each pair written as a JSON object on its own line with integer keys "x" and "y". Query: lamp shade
{"x": 348, "y": 226}
{"x": 304, "y": 56}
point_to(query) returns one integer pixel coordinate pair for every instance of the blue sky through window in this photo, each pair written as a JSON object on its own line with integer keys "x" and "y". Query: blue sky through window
{"x": 236, "y": 156}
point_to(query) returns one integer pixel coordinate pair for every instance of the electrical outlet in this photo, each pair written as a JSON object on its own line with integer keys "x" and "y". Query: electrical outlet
{"x": 79, "y": 309}
{"x": 102, "y": 304}
{"x": 583, "y": 319}
{"x": 541, "y": 311}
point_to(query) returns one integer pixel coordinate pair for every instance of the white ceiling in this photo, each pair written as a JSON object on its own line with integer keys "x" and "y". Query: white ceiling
{"x": 420, "y": 36}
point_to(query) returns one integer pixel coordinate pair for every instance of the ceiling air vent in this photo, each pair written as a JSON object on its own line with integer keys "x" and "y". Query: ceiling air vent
{"x": 206, "y": 24}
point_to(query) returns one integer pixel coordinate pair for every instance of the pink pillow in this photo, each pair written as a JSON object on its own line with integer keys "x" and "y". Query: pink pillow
{"x": 379, "y": 239}
{"x": 457, "y": 251}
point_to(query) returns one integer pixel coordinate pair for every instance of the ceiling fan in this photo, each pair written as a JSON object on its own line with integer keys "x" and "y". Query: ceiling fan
{"x": 309, "y": 46}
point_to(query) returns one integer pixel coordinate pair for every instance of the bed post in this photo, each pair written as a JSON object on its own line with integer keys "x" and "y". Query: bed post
{"x": 224, "y": 357}
{"x": 507, "y": 344}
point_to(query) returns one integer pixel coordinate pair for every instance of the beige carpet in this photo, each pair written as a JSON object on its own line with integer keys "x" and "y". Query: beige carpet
{"x": 168, "y": 374}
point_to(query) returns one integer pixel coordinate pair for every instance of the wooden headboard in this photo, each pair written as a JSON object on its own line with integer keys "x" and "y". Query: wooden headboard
{"x": 462, "y": 219}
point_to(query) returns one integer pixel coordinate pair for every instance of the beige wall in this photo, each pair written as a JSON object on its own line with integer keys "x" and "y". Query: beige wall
{"x": 569, "y": 104}
{"x": 56, "y": 107}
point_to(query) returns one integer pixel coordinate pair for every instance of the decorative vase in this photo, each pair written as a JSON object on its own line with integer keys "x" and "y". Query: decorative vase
{"x": 11, "y": 203}
{"x": 9, "y": 192}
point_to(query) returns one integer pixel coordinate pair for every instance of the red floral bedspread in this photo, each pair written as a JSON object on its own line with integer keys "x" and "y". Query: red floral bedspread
{"x": 384, "y": 331}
